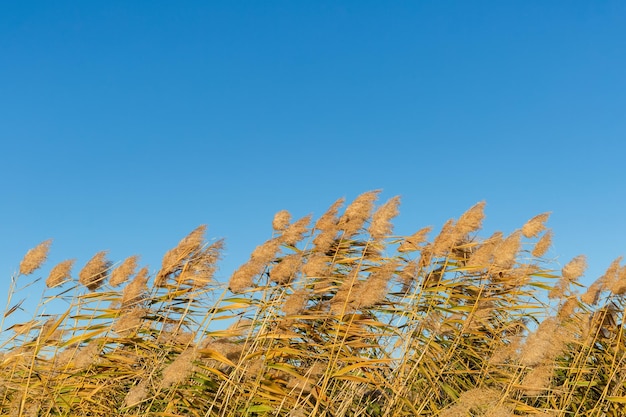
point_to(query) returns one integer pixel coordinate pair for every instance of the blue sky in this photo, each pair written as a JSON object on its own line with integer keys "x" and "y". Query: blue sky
{"x": 124, "y": 125}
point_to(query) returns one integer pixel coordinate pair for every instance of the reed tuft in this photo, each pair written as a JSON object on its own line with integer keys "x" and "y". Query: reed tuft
{"x": 60, "y": 273}
{"x": 124, "y": 271}
{"x": 35, "y": 257}
{"x": 95, "y": 272}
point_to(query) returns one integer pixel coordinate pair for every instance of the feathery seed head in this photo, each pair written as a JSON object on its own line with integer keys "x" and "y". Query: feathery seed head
{"x": 471, "y": 220}
{"x": 281, "y": 220}
{"x": 542, "y": 245}
{"x": 534, "y": 226}
{"x": 296, "y": 302}
{"x": 95, "y": 271}
{"x": 381, "y": 220}
{"x": 537, "y": 381}
{"x": 243, "y": 277}
{"x": 136, "y": 394}
{"x": 135, "y": 291}
{"x": 374, "y": 289}
{"x": 35, "y": 257}
{"x": 60, "y": 273}
{"x": 575, "y": 268}
{"x": 265, "y": 253}
{"x": 124, "y": 271}
{"x": 87, "y": 355}
{"x": 129, "y": 321}
{"x": 295, "y": 232}
{"x": 619, "y": 286}
{"x": 173, "y": 259}
{"x": 592, "y": 294}
{"x": 179, "y": 370}
{"x": 317, "y": 266}
{"x": 414, "y": 242}
{"x": 329, "y": 219}
{"x": 445, "y": 239}
{"x": 505, "y": 254}
{"x": 545, "y": 343}
{"x": 358, "y": 212}
{"x": 484, "y": 254}
{"x": 611, "y": 276}
{"x": 286, "y": 269}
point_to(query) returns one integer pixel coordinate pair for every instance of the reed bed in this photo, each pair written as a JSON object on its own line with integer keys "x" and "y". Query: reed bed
{"x": 337, "y": 317}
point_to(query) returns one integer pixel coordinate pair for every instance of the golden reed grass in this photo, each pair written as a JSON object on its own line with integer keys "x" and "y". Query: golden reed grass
{"x": 336, "y": 317}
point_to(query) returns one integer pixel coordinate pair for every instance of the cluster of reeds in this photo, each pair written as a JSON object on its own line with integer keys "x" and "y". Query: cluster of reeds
{"x": 336, "y": 318}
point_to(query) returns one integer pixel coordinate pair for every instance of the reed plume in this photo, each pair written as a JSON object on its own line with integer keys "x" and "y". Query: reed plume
{"x": 95, "y": 272}
{"x": 60, "y": 273}
{"x": 281, "y": 220}
{"x": 381, "y": 226}
{"x": 35, "y": 257}
{"x": 534, "y": 226}
{"x": 357, "y": 213}
{"x": 124, "y": 271}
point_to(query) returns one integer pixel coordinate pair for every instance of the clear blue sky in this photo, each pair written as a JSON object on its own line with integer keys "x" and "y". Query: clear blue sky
{"x": 124, "y": 125}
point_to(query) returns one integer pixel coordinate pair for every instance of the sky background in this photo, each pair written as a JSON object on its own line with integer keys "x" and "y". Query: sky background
{"x": 124, "y": 125}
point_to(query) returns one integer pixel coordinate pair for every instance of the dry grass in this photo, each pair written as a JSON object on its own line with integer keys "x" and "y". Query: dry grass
{"x": 339, "y": 319}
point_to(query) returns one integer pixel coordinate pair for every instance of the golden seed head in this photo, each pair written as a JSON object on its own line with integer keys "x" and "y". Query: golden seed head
{"x": 265, "y": 253}
{"x": 471, "y": 220}
{"x": 381, "y": 220}
{"x": 134, "y": 292}
{"x": 296, "y": 302}
{"x": 329, "y": 219}
{"x": 35, "y": 257}
{"x": 575, "y": 268}
{"x": 95, "y": 271}
{"x": 471, "y": 399}
{"x": 295, "y": 232}
{"x": 180, "y": 369}
{"x": 445, "y": 240}
{"x": 357, "y": 213}
{"x": 592, "y": 294}
{"x": 534, "y": 226}
{"x": 317, "y": 266}
{"x": 374, "y": 289}
{"x": 611, "y": 276}
{"x": 136, "y": 394}
{"x": 129, "y": 321}
{"x": 542, "y": 246}
{"x": 243, "y": 277}
{"x": 537, "y": 381}
{"x": 505, "y": 254}
{"x": 173, "y": 259}
{"x": 483, "y": 255}
{"x": 285, "y": 271}
{"x": 124, "y": 271}
{"x": 281, "y": 220}
{"x": 545, "y": 343}
{"x": 88, "y": 355}
{"x": 60, "y": 273}
{"x": 568, "y": 308}
{"x": 414, "y": 242}
{"x": 619, "y": 286}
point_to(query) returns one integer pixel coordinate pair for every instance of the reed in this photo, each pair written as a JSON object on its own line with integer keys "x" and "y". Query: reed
{"x": 342, "y": 318}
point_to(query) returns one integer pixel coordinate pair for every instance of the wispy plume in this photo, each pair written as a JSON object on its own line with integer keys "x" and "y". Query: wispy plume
{"x": 124, "y": 271}
{"x": 35, "y": 257}
{"x": 357, "y": 213}
{"x": 281, "y": 220}
{"x": 60, "y": 273}
{"x": 381, "y": 225}
{"x": 95, "y": 271}
{"x": 534, "y": 226}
